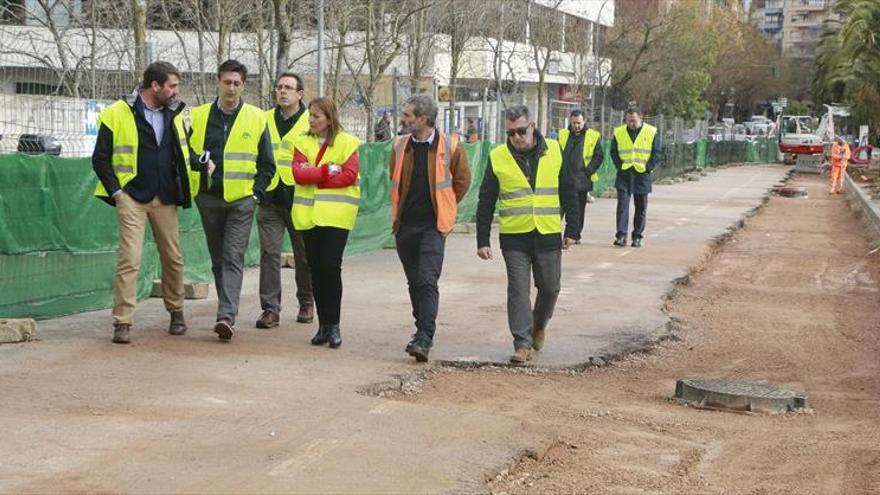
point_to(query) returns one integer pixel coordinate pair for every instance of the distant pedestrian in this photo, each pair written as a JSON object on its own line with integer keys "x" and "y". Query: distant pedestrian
{"x": 582, "y": 154}
{"x": 635, "y": 151}
{"x": 527, "y": 179}
{"x": 232, "y": 142}
{"x": 383, "y": 128}
{"x": 288, "y": 120}
{"x": 429, "y": 176}
{"x": 325, "y": 207}
{"x": 840, "y": 155}
{"x": 141, "y": 159}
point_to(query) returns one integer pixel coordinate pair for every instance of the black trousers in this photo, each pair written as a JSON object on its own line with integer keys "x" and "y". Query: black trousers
{"x": 421, "y": 249}
{"x": 324, "y": 248}
{"x": 640, "y": 217}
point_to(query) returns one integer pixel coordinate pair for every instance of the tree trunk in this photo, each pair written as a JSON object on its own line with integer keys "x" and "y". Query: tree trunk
{"x": 139, "y": 29}
{"x": 284, "y": 39}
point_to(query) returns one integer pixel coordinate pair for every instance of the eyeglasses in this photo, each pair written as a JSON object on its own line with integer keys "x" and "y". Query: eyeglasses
{"x": 519, "y": 130}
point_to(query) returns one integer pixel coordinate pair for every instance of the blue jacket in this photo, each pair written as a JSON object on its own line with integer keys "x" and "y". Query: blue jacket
{"x": 629, "y": 180}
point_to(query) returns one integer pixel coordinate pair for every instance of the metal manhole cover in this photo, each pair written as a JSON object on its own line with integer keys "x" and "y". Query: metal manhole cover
{"x": 738, "y": 395}
{"x": 792, "y": 192}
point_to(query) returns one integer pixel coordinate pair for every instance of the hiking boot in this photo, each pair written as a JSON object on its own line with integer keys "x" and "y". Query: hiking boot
{"x": 178, "y": 323}
{"x": 620, "y": 242}
{"x": 537, "y": 338}
{"x": 334, "y": 337}
{"x": 320, "y": 337}
{"x": 418, "y": 350}
{"x": 120, "y": 333}
{"x": 521, "y": 356}
{"x": 306, "y": 313}
{"x": 269, "y": 319}
{"x": 223, "y": 328}
{"x": 637, "y": 242}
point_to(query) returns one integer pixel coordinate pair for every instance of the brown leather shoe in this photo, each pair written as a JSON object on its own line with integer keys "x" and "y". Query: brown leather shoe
{"x": 521, "y": 356}
{"x": 269, "y": 319}
{"x": 223, "y": 329}
{"x": 306, "y": 313}
{"x": 178, "y": 323}
{"x": 537, "y": 338}
{"x": 120, "y": 333}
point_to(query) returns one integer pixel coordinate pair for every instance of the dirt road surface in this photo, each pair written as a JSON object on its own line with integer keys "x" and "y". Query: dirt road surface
{"x": 791, "y": 299}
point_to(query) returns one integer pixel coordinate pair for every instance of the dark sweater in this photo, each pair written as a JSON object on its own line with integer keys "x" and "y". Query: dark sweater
{"x": 418, "y": 210}
{"x": 219, "y": 125}
{"x": 532, "y": 241}
{"x": 573, "y": 155}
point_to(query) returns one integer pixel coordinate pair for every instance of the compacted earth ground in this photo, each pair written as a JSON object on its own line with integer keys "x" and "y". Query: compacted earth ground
{"x": 791, "y": 299}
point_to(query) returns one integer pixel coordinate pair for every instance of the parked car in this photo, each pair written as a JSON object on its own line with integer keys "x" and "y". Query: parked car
{"x": 758, "y": 125}
{"x": 34, "y": 144}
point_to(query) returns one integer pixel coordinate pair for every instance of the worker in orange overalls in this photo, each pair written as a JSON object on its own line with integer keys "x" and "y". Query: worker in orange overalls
{"x": 840, "y": 154}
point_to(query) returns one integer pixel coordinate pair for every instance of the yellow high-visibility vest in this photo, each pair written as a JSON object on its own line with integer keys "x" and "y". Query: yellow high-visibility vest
{"x": 522, "y": 209}
{"x": 591, "y": 139}
{"x": 635, "y": 154}
{"x": 282, "y": 146}
{"x": 241, "y": 150}
{"x": 119, "y": 118}
{"x": 326, "y": 207}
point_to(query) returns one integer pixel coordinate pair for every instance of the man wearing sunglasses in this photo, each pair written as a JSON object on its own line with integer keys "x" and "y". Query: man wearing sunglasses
{"x": 528, "y": 178}
{"x": 635, "y": 150}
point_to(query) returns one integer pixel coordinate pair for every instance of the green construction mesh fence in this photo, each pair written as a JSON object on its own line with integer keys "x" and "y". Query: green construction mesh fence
{"x": 58, "y": 242}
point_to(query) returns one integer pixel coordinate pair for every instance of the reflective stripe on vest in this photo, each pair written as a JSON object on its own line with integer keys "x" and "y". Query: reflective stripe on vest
{"x": 119, "y": 118}
{"x": 635, "y": 154}
{"x": 591, "y": 140}
{"x": 282, "y": 146}
{"x": 521, "y": 209}
{"x": 326, "y": 207}
{"x": 446, "y": 204}
{"x": 240, "y": 152}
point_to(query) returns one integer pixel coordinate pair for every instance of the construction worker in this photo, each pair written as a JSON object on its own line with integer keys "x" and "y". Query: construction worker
{"x": 527, "y": 175}
{"x": 582, "y": 154}
{"x": 635, "y": 151}
{"x": 840, "y": 154}
{"x": 142, "y": 163}
{"x": 234, "y": 150}
{"x": 287, "y": 120}
{"x": 429, "y": 176}
{"x": 325, "y": 206}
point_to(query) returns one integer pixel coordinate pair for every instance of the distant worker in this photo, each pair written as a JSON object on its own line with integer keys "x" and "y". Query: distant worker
{"x": 142, "y": 163}
{"x": 582, "y": 154}
{"x": 383, "y": 128}
{"x": 526, "y": 178}
{"x": 234, "y": 150}
{"x": 288, "y": 120}
{"x": 840, "y": 155}
{"x": 429, "y": 176}
{"x": 635, "y": 151}
{"x": 325, "y": 208}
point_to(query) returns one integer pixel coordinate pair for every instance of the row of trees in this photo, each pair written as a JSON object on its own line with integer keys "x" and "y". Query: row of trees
{"x": 848, "y": 62}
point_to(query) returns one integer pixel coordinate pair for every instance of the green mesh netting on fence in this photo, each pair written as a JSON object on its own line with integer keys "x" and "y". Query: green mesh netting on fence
{"x": 58, "y": 242}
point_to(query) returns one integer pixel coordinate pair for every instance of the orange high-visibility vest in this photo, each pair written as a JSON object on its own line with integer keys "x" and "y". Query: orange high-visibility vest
{"x": 840, "y": 154}
{"x": 444, "y": 195}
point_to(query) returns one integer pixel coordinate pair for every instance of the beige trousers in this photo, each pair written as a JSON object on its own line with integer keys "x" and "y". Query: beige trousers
{"x": 132, "y": 220}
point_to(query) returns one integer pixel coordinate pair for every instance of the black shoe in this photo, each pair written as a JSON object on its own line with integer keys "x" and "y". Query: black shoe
{"x": 333, "y": 336}
{"x": 418, "y": 350}
{"x": 620, "y": 242}
{"x": 320, "y": 337}
{"x": 120, "y": 333}
{"x": 178, "y": 323}
{"x": 637, "y": 242}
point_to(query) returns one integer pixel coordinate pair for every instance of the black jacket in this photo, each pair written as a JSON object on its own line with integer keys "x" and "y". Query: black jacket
{"x": 573, "y": 155}
{"x": 162, "y": 169}
{"x": 629, "y": 180}
{"x": 534, "y": 240}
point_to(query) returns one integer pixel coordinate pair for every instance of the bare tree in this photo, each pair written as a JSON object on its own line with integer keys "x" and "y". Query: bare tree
{"x": 139, "y": 29}
{"x": 545, "y": 36}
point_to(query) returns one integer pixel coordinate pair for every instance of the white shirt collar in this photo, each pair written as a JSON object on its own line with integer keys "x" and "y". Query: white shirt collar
{"x": 430, "y": 139}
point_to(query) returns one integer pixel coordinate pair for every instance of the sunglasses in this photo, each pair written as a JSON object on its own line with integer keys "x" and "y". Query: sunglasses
{"x": 519, "y": 130}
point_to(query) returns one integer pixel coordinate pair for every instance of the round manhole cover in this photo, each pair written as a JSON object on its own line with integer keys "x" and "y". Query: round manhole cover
{"x": 793, "y": 192}
{"x": 738, "y": 395}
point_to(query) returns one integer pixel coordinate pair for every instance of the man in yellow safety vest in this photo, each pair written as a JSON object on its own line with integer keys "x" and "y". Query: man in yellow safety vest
{"x": 526, "y": 178}
{"x": 582, "y": 154}
{"x": 231, "y": 143}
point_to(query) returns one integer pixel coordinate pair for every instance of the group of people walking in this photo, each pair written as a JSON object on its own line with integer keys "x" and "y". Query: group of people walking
{"x": 298, "y": 169}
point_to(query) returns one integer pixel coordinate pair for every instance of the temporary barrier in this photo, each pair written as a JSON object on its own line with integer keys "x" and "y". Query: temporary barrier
{"x": 58, "y": 242}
